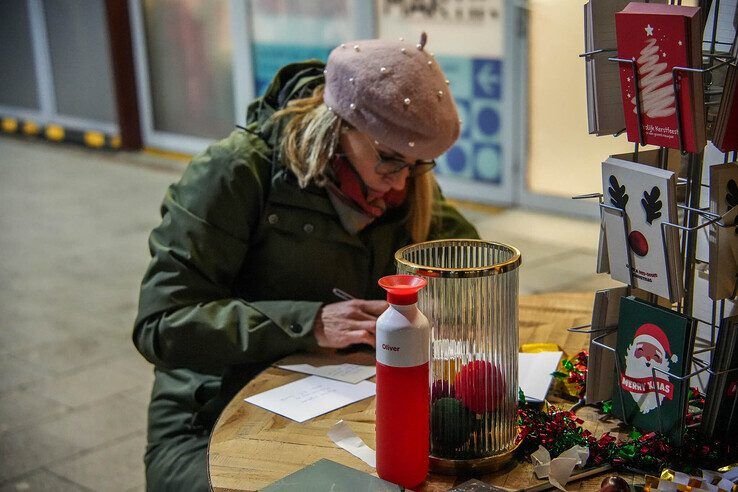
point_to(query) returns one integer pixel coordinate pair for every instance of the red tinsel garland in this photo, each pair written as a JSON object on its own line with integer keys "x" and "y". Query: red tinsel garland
{"x": 558, "y": 430}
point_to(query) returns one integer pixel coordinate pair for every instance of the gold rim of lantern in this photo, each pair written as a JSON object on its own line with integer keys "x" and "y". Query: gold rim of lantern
{"x": 488, "y": 464}
{"x": 512, "y": 263}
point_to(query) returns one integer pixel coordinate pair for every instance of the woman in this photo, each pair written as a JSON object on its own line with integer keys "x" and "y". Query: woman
{"x": 328, "y": 179}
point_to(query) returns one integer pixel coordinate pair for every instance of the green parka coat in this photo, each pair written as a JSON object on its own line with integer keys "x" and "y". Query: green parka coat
{"x": 242, "y": 262}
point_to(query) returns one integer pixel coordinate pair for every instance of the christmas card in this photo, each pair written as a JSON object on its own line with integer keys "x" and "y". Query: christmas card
{"x": 723, "y": 241}
{"x": 654, "y": 349}
{"x": 721, "y": 401}
{"x": 601, "y": 363}
{"x": 604, "y": 111}
{"x": 641, "y": 252}
{"x": 658, "y": 38}
{"x": 725, "y": 135}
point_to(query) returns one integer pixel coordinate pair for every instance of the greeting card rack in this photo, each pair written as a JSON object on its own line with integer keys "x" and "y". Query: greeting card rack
{"x": 694, "y": 217}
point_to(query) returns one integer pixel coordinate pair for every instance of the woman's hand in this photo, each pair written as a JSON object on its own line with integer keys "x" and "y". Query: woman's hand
{"x": 345, "y": 323}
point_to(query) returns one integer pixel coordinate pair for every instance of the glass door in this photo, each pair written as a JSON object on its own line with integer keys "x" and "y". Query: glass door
{"x": 200, "y": 62}
{"x": 56, "y": 64}
{"x": 185, "y": 60}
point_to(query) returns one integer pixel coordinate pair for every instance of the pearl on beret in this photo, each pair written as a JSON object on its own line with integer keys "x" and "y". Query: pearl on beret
{"x": 411, "y": 144}
{"x": 406, "y": 101}
{"x": 352, "y": 106}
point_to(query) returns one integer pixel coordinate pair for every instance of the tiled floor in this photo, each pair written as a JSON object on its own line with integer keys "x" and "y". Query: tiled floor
{"x": 73, "y": 229}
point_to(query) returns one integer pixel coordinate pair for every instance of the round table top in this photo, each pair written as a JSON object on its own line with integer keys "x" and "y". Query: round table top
{"x": 251, "y": 447}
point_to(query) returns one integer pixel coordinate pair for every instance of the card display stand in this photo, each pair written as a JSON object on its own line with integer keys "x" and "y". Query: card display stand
{"x": 693, "y": 218}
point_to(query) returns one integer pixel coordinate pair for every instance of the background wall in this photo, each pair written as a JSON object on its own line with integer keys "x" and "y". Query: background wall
{"x": 563, "y": 159}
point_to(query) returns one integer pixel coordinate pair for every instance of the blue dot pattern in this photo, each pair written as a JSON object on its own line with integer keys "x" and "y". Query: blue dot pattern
{"x": 476, "y": 84}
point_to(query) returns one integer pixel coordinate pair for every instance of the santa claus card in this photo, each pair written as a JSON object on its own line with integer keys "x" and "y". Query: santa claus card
{"x": 658, "y": 38}
{"x": 642, "y": 252}
{"x": 723, "y": 241}
{"x": 654, "y": 350}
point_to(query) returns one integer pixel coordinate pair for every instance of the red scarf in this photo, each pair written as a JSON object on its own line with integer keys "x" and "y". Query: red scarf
{"x": 351, "y": 185}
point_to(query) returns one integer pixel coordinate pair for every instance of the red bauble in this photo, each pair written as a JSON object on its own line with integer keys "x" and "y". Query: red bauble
{"x": 638, "y": 243}
{"x": 480, "y": 386}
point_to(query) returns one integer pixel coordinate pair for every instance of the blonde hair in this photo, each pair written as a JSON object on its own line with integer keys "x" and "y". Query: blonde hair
{"x": 309, "y": 141}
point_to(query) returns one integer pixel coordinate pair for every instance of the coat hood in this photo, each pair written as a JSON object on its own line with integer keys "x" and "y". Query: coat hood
{"x": 293, "y": 81}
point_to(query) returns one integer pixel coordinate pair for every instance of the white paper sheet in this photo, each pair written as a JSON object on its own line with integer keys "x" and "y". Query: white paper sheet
{"x": 312, "y": 396}
{"x": 534, "y": 373}
{"x": 349, "y": 373}
{"x": 346, "y": 438}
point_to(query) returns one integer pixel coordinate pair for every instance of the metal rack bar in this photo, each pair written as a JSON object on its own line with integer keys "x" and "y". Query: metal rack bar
{"x": 639, "y": 116}
{"x": 590, "y": 54}
{"x": 626, "y": 230}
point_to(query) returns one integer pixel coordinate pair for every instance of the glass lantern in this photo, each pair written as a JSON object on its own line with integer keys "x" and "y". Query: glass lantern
{"x": 471, "y": 301}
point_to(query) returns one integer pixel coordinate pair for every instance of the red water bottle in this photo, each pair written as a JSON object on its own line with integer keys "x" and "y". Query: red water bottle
{"x": 403, "y": 395}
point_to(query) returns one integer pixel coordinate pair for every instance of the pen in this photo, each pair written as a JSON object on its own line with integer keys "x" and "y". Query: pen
{"x": 342, "y": 294}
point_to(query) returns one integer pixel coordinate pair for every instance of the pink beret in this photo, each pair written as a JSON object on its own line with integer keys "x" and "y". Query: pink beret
{"x": 396, "y": 93}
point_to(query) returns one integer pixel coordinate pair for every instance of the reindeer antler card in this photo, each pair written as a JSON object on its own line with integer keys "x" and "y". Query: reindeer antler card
{"x": 723, "y": 241}
{"x": 640, "y": 199}
{"x": 658, "y": 38}
{"x": 654, "y": 348}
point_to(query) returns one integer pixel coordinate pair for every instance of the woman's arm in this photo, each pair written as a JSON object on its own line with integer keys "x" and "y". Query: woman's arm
{"x": 188, "y": 316}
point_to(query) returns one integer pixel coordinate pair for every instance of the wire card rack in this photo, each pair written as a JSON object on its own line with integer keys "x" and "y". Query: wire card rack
{"x": 694, "y": 218}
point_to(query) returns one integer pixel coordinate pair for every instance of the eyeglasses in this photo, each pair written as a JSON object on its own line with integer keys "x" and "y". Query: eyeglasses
{"x": 387, "y": 166}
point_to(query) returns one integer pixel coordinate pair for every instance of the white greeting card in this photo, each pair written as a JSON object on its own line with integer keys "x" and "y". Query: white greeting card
{"x": 307, "y": 398}
{"x": 349, "y": 373}
{"x": 640, "y": 198}
{"x": 534, "y": 373}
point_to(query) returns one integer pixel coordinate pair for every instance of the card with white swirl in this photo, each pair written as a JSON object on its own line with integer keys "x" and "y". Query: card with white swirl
{"x": 658, "y": 38}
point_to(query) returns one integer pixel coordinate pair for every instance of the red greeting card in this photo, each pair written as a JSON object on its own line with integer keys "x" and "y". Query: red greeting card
{"x": 726, "y": 128}
{"x": 658, "y": 38}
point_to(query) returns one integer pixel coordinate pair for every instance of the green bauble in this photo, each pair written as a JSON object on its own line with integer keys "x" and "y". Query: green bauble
{"x": 451, "y": 424}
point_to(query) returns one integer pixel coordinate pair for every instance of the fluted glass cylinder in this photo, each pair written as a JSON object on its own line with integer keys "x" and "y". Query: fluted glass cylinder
{"x": 471, "y": 302}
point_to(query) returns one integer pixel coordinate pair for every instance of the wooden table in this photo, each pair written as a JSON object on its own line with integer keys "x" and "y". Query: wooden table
{"x": 251, "y": 447}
